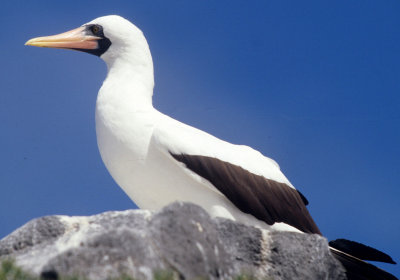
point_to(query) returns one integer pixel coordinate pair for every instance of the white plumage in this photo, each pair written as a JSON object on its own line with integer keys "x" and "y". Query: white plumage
{"x": 135, "y": 139}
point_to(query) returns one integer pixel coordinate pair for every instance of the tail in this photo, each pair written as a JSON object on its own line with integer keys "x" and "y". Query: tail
{"x": 352, "y": 255}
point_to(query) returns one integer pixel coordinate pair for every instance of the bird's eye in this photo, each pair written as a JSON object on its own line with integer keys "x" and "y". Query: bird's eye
{"x": 95, "y": 29}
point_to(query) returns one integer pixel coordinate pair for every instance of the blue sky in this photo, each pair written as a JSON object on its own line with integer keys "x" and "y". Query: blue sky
{"x": 313, "y": 85}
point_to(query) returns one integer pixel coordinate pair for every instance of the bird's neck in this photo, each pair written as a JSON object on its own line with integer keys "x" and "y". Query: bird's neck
{"x": 130, "y": 80}
{"x": 124, "y": 110}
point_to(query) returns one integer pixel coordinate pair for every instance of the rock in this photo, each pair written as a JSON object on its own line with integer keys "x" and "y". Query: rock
{"x": 189, "y": 241}
{"x": 181, "y": 239}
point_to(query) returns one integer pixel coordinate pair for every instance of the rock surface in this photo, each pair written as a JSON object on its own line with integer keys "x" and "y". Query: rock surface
{"x": 181, "y": 238}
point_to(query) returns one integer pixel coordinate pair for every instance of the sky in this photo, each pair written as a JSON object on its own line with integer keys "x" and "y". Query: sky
{"x": 313, "y": 85}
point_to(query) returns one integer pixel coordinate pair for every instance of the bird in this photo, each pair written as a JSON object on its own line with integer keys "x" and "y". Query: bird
{"x": 158, "y": 160}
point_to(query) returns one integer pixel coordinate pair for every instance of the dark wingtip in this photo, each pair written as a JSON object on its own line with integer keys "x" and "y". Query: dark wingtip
{"x": 360, "y": 251}
{"x": 305, "y": 201}
{"x": 357, "y": 269}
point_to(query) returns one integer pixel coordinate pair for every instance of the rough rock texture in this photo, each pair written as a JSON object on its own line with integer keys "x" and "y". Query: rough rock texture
{"x": 181, "y": 238}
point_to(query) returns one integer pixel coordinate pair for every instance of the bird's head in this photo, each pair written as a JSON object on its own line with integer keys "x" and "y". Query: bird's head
{"x": 108, "y": 37}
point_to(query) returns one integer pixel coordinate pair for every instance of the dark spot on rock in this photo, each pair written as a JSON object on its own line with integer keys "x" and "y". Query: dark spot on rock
{"x": 49, "y": 275}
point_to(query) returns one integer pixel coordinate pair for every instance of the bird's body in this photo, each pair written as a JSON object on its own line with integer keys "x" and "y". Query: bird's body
{"x": 136, "y": 141}
{"x": 157, "y": 160}
{"x": 142, "y": 165}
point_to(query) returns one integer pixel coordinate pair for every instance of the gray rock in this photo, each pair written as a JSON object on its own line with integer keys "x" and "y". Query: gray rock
{"x": 181, "y": 238}
{"x": 34, "y": 233}
{"x": 311, "y": 260}
{"x": 188, "y": 238}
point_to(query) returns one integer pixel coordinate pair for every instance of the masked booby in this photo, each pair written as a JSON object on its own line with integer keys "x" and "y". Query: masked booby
{"x": 157, "y": 160}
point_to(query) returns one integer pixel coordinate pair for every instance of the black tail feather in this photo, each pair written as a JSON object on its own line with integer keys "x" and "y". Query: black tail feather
{"x": 357, "y": 269}
{"x": 360, "y": 251}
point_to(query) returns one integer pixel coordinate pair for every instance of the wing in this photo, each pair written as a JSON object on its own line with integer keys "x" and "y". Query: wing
{"x": 265, "y": 199}
{"x": 253, "y": 182}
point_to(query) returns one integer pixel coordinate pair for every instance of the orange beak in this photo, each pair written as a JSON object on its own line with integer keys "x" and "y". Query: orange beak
{"x": 74, "y": 39}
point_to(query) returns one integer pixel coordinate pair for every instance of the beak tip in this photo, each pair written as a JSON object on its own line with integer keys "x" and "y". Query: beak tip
{"x": 28, "y": 43}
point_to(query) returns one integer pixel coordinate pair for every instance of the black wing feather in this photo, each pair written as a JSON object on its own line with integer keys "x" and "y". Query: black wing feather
{"x": 361, "y": 251}
{"x": 357, "y": 269}
{"x": 265, "y": 199}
